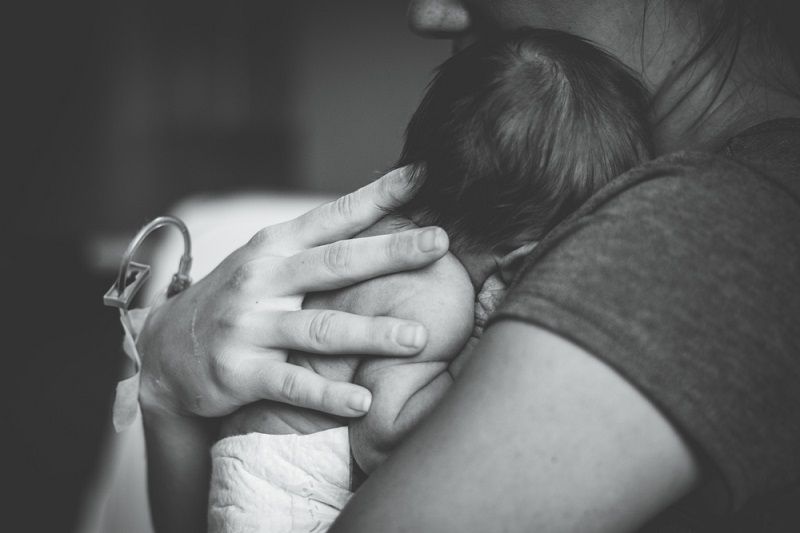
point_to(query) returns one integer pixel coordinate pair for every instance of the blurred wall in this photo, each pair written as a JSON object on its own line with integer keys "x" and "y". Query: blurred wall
{"x": 360, "y": 75}
{"x": 130, "y": 105}
{"x": 198, "y": 99}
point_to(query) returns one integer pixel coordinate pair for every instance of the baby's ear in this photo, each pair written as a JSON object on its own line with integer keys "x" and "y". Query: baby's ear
{"x": 510, "y": 262}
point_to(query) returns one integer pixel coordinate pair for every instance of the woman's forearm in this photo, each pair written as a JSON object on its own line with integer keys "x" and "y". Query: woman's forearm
{"x": 535, "y": 435}
{"x": 178, "y": 470}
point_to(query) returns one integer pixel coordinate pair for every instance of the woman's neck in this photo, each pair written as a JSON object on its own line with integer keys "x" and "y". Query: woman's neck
{"x": 701, "y": 106}
{"x": 699, "y": 123}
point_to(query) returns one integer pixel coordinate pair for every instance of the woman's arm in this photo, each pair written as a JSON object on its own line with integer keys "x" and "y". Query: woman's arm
{"x": 535, "y": 435}
{"x": 178, "y": 470}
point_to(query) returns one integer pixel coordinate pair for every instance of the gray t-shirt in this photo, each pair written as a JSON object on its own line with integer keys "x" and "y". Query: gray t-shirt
{"x": 684, "y": 276}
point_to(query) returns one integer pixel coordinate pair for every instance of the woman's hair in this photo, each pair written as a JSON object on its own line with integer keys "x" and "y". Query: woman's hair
{"x": 516, "y": 131}
{"x": 773, "y": 24}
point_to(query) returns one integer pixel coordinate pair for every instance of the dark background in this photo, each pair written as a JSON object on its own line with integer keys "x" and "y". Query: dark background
{"x": 116, "y": 110}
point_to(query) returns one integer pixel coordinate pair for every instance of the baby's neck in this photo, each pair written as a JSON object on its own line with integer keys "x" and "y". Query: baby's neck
{"x": 479, "y": 266}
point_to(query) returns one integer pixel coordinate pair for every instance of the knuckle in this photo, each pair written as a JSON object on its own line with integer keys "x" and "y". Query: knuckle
{"x": 336, "y": 257}
{"x": 226, "y": 321}
{"x": 226, "y": 372}
{"x": 380, "y": 333}
{"x": 321, "y": 329}
{"x": 326, "y": 397}
{"x": 204, "y": 405}
{"x": 291, "y": 389}
{"x": 262, "y": 236}
{"x": 389, "y": 195}
{"x": 243, "y": 276}
{"x": 400, "y": 246}
{"x": 344, "y": 206}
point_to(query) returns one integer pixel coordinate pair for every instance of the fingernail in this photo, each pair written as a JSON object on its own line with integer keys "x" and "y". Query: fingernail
{"x": 431, "y": 239}
{"x": 411, "y": 336}
{"x": 360, "y": 402}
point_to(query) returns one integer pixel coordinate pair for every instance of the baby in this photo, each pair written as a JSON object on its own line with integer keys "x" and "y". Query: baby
{"x": 513, "y": 134}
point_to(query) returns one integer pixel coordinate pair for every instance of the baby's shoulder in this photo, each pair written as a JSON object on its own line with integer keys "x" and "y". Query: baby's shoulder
{"x": 439, "y": 296}
{"x": 442, "y": 285}
{"x": 422, "y": 293}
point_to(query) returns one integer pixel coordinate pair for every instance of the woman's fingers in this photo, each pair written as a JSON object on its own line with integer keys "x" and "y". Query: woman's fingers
{"x": 344, "y": 263}
{"x": 296, "y": 385}
{"x": 336, "y": 332}
{"x": 344, "y": 217}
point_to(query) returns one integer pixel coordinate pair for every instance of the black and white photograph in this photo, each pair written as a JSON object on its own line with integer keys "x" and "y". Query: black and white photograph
{"x": 392, "y": 266}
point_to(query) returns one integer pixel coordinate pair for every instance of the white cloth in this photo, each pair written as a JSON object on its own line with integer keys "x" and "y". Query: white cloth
{"x": 279, "y": 483}
{"x": 126, "y": 400}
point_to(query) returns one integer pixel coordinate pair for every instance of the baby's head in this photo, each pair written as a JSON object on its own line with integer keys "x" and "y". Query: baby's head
{"x": 517, "y": 131}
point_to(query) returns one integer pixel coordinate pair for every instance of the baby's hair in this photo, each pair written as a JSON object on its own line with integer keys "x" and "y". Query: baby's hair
{"x": 516, "y": 131}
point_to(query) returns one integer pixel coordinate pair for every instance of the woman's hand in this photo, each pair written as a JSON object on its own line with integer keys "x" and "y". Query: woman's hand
{"x": 223, "y": 342}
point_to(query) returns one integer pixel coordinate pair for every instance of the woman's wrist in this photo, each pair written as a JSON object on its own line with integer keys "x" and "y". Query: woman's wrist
{"x": 178, "y": 462}
{"x": 158, "y": 420}
{"x": 150, "y": 343}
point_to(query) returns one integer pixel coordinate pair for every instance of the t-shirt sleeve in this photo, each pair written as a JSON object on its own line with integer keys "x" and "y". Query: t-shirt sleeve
{"x": 684, "y": 277}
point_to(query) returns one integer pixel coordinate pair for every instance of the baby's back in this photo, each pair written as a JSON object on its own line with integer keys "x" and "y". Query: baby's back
{"x": 441, "y": 298}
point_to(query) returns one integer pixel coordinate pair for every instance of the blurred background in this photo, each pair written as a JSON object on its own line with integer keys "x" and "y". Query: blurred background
{"x": 121, "y": 110}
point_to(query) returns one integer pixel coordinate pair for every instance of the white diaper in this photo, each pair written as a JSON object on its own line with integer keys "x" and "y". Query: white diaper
{"x": 279, "y": 483}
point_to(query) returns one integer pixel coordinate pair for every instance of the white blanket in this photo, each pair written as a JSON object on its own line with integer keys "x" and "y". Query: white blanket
{"x": 279, "y": 483}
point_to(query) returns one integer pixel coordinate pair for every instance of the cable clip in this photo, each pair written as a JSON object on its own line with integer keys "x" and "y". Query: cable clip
{"x": 133, "y": 275}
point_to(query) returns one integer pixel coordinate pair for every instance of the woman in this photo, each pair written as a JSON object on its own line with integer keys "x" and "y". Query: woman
{"x": 645, "y": 362}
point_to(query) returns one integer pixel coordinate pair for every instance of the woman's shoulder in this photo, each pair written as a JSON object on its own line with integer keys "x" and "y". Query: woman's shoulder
{"x": 683, "y": 275}
{"x": 757, "y": 173}
{"x": 766, "y": 155}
